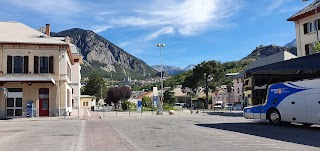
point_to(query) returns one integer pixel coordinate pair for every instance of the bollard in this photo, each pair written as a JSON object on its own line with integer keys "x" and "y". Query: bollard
{"x": 129, "y": 110}
{"x": 141, "y": 109}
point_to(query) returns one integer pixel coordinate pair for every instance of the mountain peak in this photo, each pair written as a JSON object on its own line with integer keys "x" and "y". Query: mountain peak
{"x": 103, "y": 56}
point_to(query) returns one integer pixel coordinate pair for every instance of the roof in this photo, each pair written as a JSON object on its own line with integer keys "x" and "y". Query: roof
{"x": 38, "y": 79}
{"x": 16, "y": 32}
{"x": 302, "y": 65}
{"x": 278, "y": 57}
{"x": 87, "y": 96}
{"x": 305, "y": 12}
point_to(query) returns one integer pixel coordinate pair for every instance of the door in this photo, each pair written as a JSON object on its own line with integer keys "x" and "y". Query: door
{"x": 44, "y": 107}
{"x": 14, "y": 103}
{"x": 44, "y": 102}
{"x": 313, "y": 108}
{"x": 294, "y": 109}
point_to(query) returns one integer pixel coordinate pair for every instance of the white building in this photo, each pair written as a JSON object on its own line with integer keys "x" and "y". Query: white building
{"x": 306, "y": 27}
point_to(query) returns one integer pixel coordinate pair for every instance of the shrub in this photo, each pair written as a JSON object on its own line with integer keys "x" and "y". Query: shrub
{"x": 125, "y": 105}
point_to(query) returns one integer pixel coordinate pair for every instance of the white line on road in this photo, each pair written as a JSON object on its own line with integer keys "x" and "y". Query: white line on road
{"x": 81, "y": 144}
{"x": 88, "y": 112}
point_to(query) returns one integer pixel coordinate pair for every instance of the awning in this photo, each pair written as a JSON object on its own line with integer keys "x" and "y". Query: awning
{"x": 307, "y": 65}
{"x": 39, "y": 79}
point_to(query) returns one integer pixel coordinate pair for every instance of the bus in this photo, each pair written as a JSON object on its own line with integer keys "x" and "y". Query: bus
{"x": 289, "y": 102}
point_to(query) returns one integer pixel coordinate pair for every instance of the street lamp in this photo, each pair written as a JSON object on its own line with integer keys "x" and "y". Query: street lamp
{"x": 316, "y": 21}
{"x": 160, "y": 112}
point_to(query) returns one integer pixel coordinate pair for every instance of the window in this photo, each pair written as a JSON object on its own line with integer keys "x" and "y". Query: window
{"x": 84, "y": 104}
{"x": 17, "y": 64}
{"x": 309, "y": 48}
{"x": 43, "y": 64}
{"x": 237, "y": 80}
{"x": 311, "y": 27}
{"x": 238, "y": 90}
{"x": 87, "y": 104}
{"x": 14, "y": 107}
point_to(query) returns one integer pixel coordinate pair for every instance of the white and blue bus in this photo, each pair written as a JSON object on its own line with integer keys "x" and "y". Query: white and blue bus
{"x": 297, "y": 102}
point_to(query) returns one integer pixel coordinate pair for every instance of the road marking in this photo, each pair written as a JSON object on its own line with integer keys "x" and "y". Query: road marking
{"x": 88, "y": 112}
{"x": 81, "y": 142}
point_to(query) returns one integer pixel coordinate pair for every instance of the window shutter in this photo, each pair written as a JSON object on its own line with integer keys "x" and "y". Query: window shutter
{"x": 305, "y": 28}
{"x": 306, "y": 49}
{"x": 26, "y": 64}
{"x": 36, "y": 64}
{"x": 9, "y": 64}
{"x": 51, "y": 64}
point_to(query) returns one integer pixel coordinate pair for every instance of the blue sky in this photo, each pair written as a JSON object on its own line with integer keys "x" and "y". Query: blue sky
{"x": 192, "y": 30}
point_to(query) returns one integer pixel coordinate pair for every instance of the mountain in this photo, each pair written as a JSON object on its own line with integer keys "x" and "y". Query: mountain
{"x": 291, "y": 44}
{"x": 189, "y": 67}
{"x": 104, "y": 57}
{"x": 170, "y": 70}
{"x": 264, "y": 51}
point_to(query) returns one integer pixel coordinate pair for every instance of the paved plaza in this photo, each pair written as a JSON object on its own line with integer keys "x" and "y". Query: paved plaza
{"x": 183, "y": 131}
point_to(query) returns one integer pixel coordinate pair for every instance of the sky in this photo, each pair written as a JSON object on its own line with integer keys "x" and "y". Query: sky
{"x": 192, "y": 30}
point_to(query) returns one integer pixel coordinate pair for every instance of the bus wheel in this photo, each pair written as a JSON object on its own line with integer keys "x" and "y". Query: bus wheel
{"x": 274, "y": 117}
{"x": 306, "y": 124}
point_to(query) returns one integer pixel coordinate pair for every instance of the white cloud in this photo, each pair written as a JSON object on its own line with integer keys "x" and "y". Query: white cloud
{"x": 188, "y": 17}
{"x": 99, "y": 29}
{"x": 122, "y": 44}
{"x": 162, "y": 31}
{"x": 276, "y": 4}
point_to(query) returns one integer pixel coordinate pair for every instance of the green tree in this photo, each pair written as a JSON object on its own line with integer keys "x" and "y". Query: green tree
{"x": 146, "y": 101}
{"x": 316, "y": 49}
{"x": 94, "y": 86}
{"x": 168, "y": 97}
{"x": 205, "y": 73}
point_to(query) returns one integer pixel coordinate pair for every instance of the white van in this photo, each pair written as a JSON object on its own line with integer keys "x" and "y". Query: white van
{"x": 218, "y": 105}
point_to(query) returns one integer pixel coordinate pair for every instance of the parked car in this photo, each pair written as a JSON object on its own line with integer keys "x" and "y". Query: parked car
{"x": 218, "y": 105}
{"x": 237, "y": 106}
{"x": 229, "y": 106}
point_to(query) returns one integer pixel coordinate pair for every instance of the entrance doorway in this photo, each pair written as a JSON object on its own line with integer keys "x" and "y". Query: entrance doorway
{"x": 14, "y": 103}
{"x": 44, "y": 102}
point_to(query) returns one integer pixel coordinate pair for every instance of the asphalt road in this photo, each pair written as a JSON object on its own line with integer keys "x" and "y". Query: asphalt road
{"x": 213, "y": 131}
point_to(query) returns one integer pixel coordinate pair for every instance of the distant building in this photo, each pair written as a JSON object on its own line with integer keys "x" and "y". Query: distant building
{"x": 87, "y": 101}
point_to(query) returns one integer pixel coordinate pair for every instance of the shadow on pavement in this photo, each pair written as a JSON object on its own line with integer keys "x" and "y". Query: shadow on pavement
{"x": 290, "y": 133}
{"x": 232, "y": 114}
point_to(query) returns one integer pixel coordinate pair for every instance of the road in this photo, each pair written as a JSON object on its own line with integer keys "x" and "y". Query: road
{"x": 159, "y": 133}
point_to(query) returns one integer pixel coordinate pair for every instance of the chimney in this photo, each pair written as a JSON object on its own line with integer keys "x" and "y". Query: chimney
{"x": 48, "y": 29}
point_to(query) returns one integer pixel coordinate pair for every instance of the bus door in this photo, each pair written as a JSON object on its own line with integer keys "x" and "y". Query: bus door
{"x": 313, "y": 108}
{"x": 293, "y": 108}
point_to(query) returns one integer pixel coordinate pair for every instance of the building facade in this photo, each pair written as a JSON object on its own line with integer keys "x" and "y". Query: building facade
{"x": 34, "y": 68}
{"x": 306, "y": 26}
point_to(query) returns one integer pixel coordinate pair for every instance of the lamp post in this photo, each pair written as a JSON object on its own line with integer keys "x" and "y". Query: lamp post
{"x": 160, "y": 111}
{"x": 316, "y": 21}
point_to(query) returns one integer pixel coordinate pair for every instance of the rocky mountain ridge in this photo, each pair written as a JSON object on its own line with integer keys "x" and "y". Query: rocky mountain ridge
{"x": 105, "y": 57}
{"x": 172, "y": 70}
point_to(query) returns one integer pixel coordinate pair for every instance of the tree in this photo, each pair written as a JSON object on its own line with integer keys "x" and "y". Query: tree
{"x": 204, "y": 73}
{"x": 94, "y": 86}
{"x": 117, "y": 94}
{"x": 168, "y": 97}
{"x": 146, "y": 101}
{"x": 316, "y": 49}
